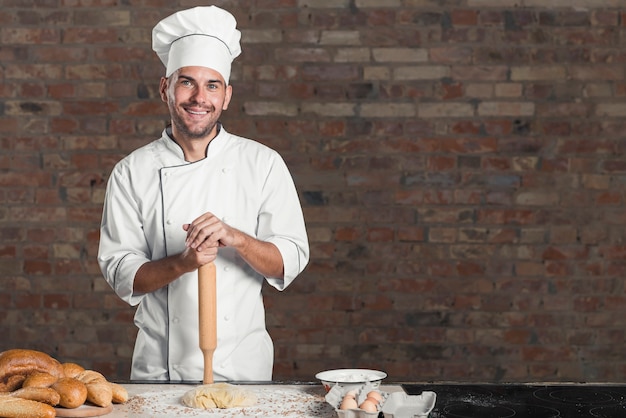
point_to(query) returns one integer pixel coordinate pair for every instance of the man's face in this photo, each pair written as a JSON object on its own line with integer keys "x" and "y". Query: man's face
{"x": 196, "y": 97}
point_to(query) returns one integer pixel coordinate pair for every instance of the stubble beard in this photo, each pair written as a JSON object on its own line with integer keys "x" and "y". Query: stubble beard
{"x": 184, "y": 130}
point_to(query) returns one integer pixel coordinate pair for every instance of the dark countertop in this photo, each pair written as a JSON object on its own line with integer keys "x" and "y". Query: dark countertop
{"x": 537, "y": 400}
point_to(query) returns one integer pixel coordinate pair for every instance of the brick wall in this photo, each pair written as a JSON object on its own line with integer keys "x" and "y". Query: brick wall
{"x": 460, "y": 163}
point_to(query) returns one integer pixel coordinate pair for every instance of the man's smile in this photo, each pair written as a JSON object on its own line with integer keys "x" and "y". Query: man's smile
{"x": 196, "y": 111}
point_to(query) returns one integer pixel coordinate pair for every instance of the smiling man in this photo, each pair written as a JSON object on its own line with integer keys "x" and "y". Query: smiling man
{"x": 196, "y": 195}
{"x": 195, "y": 97}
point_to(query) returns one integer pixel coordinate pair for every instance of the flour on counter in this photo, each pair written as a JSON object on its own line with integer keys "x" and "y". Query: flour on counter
{"x": 277, "y": 402}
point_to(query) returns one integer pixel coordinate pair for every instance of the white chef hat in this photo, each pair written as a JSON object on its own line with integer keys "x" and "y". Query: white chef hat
{"x": 200, "y": 36}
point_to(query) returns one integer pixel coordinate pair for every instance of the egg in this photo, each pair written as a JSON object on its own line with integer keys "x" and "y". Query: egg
{"x": 348, "y": 403}
{"x": 352, "y": 393}
{"x": 373, "y": 400}
{"x": 375, "y": 395}
{"x": 368, "y": 406}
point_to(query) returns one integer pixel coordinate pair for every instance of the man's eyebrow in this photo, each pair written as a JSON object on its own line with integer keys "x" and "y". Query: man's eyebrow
{"x": 189, "y": 78}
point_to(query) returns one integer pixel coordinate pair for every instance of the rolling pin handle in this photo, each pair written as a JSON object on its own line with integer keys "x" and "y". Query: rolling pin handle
{"x": 207, "y": 311}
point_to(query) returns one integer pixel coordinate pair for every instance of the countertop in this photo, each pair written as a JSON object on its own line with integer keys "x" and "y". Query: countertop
{"x": 532, "y": 400}
{"x": 306, "y": 400}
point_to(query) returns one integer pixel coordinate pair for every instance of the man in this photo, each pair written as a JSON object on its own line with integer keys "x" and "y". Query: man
{"x": 198, "y": 195}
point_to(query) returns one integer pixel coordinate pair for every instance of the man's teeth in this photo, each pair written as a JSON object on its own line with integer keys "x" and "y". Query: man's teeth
{"x": 197, "y": 113}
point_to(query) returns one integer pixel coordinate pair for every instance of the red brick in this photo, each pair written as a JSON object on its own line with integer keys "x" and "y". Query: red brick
{"x": 548, "y": 354}
{"x": 464, "y": 17}
{"x": 27, "y": 301}
{"x": 57, "y": 301}
{"x": 441, "y": 163}
{"x": 60, "y": 53}
{"x": 68, "y": 267}
{"x": 48, "y": 197}
{"x": 586, "y": 304}
{"x": 81, "y": 108}
{"x": 8, "y": 125}
{"x": 64, "y": 125}
{"x": 466, "y": 127}
{"x": 30, "y": 36}
{"x": 438, "y": 197}
{"x": 82, "y": 35}
{"x": 347, "y": 234}
{"x": 7, "y": 251}
{"x": 561, "y": 253}
{"x": 380, "y": 234}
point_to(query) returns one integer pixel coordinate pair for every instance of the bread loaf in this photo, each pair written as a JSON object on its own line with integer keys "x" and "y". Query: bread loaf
{"x": 22, "y": 362}
{"x": 99, "y": 393}
{"x": 98, "y": 390}
{"x": 72, "y": 392}
{"x": 72, "y": 369}
{"x": 119, "y": 393}
{"x": 90, "y": 376}
{"x": 13, "y": 382}
{"x": 39, "y": 380}
{"x": 45, "y": 395}
{"x": 13, "y": 407}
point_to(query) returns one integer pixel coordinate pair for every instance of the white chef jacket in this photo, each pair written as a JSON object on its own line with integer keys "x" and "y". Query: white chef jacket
{"x": 151, "y": 193}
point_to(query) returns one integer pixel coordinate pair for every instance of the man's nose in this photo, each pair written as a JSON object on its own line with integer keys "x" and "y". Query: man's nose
{"x": 200, "y": 96}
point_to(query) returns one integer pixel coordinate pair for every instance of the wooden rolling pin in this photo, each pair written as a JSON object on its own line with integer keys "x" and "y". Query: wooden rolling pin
{"x": 207, "y": 309}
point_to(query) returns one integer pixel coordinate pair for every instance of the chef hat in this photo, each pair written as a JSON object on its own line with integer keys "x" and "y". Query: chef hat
{"x": 201, "y": 36}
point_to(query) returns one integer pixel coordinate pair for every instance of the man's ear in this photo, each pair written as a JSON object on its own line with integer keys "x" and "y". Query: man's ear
{"x": 163, "y": 89}
{"x": 228, "y": 96}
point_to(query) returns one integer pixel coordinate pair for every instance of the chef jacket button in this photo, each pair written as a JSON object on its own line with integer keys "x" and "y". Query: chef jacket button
{"x": 223, "y": 365}
{"x": 169, "y": 221}
{"x": 175, "y": 320}
{"x": 226, "y": 317}
{"x": 225, "y": 219}
{"x": 226, "y": 268}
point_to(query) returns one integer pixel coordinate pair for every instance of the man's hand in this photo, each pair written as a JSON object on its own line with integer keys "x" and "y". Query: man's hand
{"x": 193, "y": 258}
{"x": 208, "y": 231}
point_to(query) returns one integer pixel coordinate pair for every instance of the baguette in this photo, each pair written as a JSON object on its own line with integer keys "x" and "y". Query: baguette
{"x": 39, "y": 380}
{"x": 46, "y": 395}
{"x": 22, "y": 362}
{"x": 12, "y": 407}
{"x": 119, "y": 393}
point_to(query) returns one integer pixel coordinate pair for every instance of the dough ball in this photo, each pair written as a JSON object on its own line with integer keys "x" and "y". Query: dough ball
{"x": 218, "y": 395}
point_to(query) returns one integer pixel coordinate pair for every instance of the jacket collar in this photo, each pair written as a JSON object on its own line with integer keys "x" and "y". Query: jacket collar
{"x": 213, "y": 149}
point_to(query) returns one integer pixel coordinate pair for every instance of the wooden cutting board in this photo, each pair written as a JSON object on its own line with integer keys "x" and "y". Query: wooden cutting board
{"x": 84, "y": 411}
